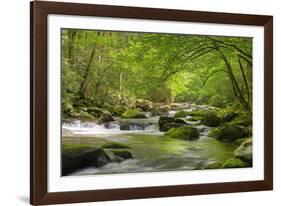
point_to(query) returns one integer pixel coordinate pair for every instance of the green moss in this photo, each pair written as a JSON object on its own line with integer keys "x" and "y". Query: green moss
{"x": 75, "y": 148}
{"x": 184, "y": 133}
{"x": 217, "y": 101}
{"x": 133, "y": 114}
{"x": 244, "y": 119}
{"x": 211, "y": 120}
{"x": 234, "y": 163}
{"x": 181, "y": 114}
{"x": 227, "y": 114}
{"x": 78, "y": 113}
{"x": 114, "y": 145}
{"x": 227, "y": 132}
{"x": 118, "y": 110}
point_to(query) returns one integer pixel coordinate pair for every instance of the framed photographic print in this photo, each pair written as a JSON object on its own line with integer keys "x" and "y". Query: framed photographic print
{"x": 131, "y": 102}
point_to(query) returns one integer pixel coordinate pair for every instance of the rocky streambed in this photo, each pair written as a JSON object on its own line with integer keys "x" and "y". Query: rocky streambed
{"x": 182, "y": 138}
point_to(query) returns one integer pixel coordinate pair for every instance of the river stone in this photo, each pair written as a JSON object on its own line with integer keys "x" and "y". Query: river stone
{"x": 144, "y": 105}
{"x": 244, "y": 151}
{"x": 105, "y": 117}
{"x": 211, "y": 120}
{"x": 121, "y": 155}
{"x": 133, "y": 114}
{"x": 83, "y": 157}
{"x": 184, "y": 133}
{"x": 165, "y": 120}
{"x": 129, "y": 125}
{"x": 160, "y": 110}
{"x": 227, "y": 133}
{"x": 170, "y": 125}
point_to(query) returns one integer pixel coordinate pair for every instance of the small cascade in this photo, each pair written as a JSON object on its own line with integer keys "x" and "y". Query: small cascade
{"x": 116, "y": 127}
{"x": 79, "y": 125}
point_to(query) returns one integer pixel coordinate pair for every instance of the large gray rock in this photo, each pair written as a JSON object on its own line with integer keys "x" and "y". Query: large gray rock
{"x": 245, "y": 151}
{"x": 144, "y": 105}
{"x": 80, "y": 158}
{"x": 166, "y": 123}
{"x": 161, "y": 110}
{"x": 133, "y": 125}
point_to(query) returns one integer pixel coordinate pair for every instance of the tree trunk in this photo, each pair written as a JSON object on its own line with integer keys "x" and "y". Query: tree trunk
{"x": 71, "y": 36}
{"x": 237, "y": 90}
{"x": 86, "y": 74}
{"x": 121, "y": 86}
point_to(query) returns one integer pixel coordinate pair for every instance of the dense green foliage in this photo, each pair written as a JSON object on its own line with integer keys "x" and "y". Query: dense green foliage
{"x": 113, "y": 69}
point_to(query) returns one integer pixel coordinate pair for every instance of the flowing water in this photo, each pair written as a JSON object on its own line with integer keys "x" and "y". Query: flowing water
{"x": 151, "y": 149}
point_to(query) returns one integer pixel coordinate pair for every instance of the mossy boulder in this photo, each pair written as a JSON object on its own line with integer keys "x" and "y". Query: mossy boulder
{"x": 133, "y": 114}
{"x": 161, "y": 110}
{"x": 194, "y": 118}
{"x": 245, "y": 151}
{"x": 244, "y": 119}
{"x": 170, "y": 125}
{"x": 181, "y": 114}
{"x": 227, "y": 133}
{"x": 166, "y": 123}
{"x": 76, "y": 156}
{"x": 184, "y": 133}
{"x": 234, "y": 163}
{"x": 118, "y": 110}
{"x": 95, "y": 111}
{"x": 227, "y": 114}
{"x": 114, "y": 145}
{"x": 144, "y": 105}
{"x": 105, "y": 117}
{"x": 211, "y": 120}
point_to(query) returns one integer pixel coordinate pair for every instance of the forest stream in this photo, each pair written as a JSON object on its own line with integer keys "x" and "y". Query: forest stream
{"x": 151, "y": 149}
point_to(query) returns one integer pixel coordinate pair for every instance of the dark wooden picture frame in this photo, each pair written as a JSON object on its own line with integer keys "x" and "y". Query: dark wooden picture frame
{"x": 39, "y": 11}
